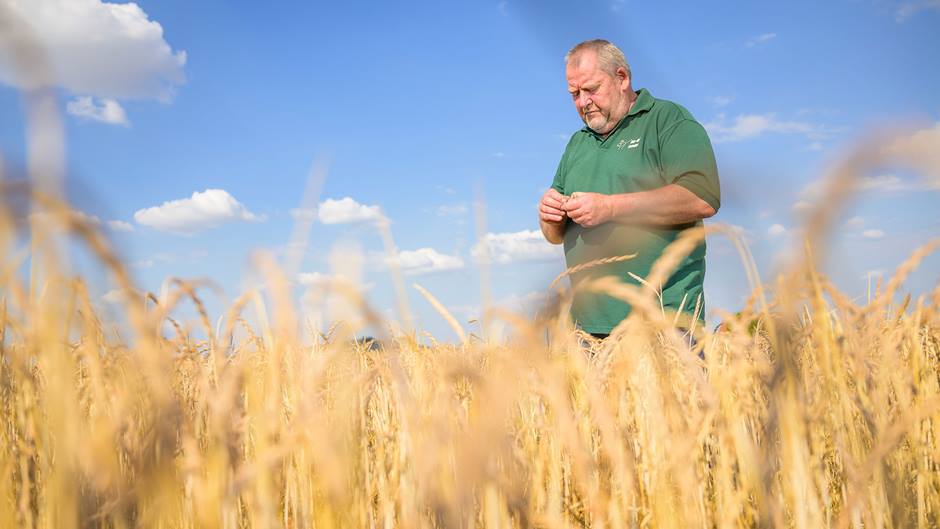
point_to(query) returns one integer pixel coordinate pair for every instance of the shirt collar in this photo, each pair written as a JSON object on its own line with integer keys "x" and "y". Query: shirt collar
{"x": 643, "y": 102}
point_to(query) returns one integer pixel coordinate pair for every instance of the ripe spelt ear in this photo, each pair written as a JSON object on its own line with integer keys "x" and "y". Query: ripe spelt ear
{"x": 458, "y": 330}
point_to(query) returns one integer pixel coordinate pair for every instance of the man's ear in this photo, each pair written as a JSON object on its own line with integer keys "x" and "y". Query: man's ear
{"x": 623, "y": 75}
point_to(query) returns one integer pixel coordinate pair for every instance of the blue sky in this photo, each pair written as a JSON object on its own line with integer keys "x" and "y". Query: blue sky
{"x": 419, "y": 109}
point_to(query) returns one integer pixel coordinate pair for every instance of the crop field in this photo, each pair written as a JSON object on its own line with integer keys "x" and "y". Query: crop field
{"x": 805, "y": 409}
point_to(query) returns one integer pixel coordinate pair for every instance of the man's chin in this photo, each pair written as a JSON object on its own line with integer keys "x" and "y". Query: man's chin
{"x": 599, "y": 128}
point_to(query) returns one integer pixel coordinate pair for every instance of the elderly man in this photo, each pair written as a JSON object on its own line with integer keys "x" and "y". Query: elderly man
{"x": 640, "y": 171}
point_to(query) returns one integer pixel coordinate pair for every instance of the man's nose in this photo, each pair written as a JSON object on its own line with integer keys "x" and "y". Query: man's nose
{"x": 584, "y": 101}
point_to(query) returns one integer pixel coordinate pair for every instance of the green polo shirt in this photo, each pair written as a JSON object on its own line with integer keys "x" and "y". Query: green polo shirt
{"x": 656, "y": 144}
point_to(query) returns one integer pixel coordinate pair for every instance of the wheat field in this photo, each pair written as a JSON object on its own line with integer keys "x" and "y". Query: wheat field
{"x": 804, "y": 409}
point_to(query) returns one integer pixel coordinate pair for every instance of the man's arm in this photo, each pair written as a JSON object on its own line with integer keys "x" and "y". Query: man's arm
{"x": 554, "y": 232}
{"x": 667, "y": 206}
{"x": 552, "y": 218}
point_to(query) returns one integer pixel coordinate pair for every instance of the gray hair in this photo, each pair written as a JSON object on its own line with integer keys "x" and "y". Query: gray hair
{"x": 609, "y": 55}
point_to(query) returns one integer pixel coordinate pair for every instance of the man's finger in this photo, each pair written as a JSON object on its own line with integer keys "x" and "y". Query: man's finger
{"x": 552, "y": 215}
{"x": 571, "y": 205}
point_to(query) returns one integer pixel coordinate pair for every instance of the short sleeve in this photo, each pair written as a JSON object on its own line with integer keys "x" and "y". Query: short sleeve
{"x": 688, "y": 160}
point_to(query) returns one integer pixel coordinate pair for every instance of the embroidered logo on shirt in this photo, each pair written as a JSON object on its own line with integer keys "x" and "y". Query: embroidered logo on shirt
{"x": 621, "y": 145}
{"x": 634, "y": 143}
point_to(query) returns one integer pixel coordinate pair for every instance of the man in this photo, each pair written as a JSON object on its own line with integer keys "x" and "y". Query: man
{"x": 640, "y": 171}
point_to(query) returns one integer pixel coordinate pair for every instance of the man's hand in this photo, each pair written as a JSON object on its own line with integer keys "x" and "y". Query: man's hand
{"x": 552, "y": 217}
{"x": 550, "y": 207}
{"x": 589, "y": 209}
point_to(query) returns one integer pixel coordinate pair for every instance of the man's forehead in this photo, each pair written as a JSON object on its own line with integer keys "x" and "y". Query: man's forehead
{"x": 582, "y": 76}
{"x": 583, "y": 67}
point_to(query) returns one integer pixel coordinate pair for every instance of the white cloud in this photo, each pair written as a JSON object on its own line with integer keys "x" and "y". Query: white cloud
{"x": 77, "y": 213}
{"x": 201, "y": 211}
{"x": 106, "y": 110}
{"x": 451, "y": 210}
{"x": 120, "y": 225}
{"x": 426, "y": 260}
{"x": 873, "y": 234}
{"x": 526, "y": 245}
{"x": 720, "y": 101}
{"x": 855, "y": 223}
{"x": 776, "y": 230}
{"x": 87, "y": 217}
{"x": 880, "y": 184}
{"x": 815, "y": 146}
{"x": 345, "y": 211}
{"x": 114, "y": 296}
{"x": 94, "y": 47}
{"x": 526, "y": 303}
{"x": 320, "y": 280}
{"x": 887, "y": 183}
{"x": 802, "y": 205}
{"x": 920, "y": 150}
{"x": 760, "y": 39}
{"x": 313, "y": 278}
{"x": 303, "y": 214}
{"x": 909, "y": 9}
{"x": 747, "y": 126}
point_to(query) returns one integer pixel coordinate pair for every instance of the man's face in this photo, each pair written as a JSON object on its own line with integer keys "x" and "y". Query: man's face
{"x": 600, "y": 97}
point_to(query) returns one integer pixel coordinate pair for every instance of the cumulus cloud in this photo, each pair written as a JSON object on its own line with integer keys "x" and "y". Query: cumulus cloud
{"x": 881, "y": 184}
{"x": 802, "y": 205}
{"x": 313, "y": 278}
{"x": 855, "y": 223}
{"x": 776, "y": 230}
{"x": 120, "y": 225}
{"x": 346, "y": 211}
{"x": 525, "y": 303}
{"x": 451, "y": 210}
{"x": 748, "y": 126}
{"x": 526, "y": 245}
{"x": 203, "y": 210}
{"x": 909, "y": 9}
{"x": 815, "y": 146}
{"x": 425, "y": 260}
{"x": 760, "y": 39}
{"x": 303, "y": 214}
{"x": 886, "y": 183}
{"x": 873, "y": 234}
{"x": 920, "y": 150}
{"x": 720, "y": 101}
{"x": 104, "y": 110}
{"x": 321, "y": 280}
{"x": 528, "y": 304}
{"x": 95, "y": 47}
{"x": 114, "y": 296}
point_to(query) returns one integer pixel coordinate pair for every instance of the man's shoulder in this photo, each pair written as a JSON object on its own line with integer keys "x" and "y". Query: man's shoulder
{"x": 667, "y": 112}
